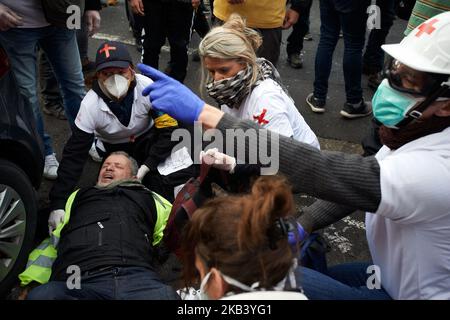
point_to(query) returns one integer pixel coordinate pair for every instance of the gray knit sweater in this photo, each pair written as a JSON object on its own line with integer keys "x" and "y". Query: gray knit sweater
{"x": 344, "y": 182}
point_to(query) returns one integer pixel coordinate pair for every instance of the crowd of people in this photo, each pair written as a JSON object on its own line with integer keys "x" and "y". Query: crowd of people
{"x": 242, "y": 245}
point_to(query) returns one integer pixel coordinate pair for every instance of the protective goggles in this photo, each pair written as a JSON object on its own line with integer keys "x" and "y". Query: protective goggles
{"x": 405, "y": 79}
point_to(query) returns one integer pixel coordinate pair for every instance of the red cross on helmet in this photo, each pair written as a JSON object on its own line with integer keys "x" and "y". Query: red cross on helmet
{"x": 427, "y": 47}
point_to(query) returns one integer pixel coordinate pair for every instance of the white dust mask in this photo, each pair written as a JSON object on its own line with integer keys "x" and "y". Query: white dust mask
{"x": 117, "y": 85}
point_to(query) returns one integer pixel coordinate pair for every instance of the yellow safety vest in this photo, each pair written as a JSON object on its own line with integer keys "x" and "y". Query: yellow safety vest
{"x": 40, "y": 260}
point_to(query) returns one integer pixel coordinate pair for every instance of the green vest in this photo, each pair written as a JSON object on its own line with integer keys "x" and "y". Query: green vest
{"x": 40, "y": 260}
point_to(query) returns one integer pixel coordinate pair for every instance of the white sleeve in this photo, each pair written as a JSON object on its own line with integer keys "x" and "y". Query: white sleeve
{"x": 270, "y": 113}
{"x": 84, "y": 120}
{"x": 415, "y": 187}
{"x": 142, "y": 83}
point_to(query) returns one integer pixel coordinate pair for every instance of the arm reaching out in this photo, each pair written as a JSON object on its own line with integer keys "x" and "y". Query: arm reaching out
{"x": 171, "y": 97}
{"x": 349, "y": 180}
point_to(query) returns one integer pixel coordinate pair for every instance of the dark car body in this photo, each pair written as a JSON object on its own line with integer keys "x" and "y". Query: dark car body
{"x": 21, "y": 169}
{"x": 19, "y": 140}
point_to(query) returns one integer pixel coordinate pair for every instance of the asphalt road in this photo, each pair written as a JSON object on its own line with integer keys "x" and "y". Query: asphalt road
{"x": 346, "y": 238}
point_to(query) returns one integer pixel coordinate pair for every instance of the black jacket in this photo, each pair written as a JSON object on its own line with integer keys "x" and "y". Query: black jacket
{"x": 108, "y": 227}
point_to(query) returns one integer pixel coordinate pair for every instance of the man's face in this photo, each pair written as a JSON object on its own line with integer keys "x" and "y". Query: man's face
{"x": 116, "y": 167}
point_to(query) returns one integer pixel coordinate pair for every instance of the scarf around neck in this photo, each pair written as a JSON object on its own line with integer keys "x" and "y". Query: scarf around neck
{"x": 232, "y": 91}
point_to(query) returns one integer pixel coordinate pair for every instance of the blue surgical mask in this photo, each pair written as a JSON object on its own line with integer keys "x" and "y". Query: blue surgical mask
{"x": 391, "y": 106}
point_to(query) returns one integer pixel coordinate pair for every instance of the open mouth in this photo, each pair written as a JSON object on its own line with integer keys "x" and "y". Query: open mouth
{"x": 107, "y": 177}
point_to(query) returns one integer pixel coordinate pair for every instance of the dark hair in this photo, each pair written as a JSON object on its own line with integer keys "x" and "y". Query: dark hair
{"x": 232, "y": 234}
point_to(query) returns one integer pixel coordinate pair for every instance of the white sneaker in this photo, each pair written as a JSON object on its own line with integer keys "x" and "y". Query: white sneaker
{"x": 94, "y": 154}
{"x": 51, "y": 167}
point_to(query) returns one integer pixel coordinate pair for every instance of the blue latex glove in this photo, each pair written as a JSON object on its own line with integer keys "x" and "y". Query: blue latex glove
{"x": 171, "y": 97}
{"x": 297, "y": 237}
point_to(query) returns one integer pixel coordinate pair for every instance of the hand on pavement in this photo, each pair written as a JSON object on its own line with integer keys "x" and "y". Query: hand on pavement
{"x": 55, "y": 218}
{"x": 170, "y": 96}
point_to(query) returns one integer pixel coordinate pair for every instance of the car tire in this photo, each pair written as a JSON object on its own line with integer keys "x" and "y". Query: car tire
{"x": 18, "y": 215}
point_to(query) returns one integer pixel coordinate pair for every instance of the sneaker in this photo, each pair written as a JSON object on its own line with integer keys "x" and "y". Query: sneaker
{"x": 308, "y": 37}
{"x": 295, "y": 60}
{"x": 357, "y": 110}
{"x": 51, "y": 167}
{"x": 55, "y": 110}
{"x": 316, "y": 105}
{"x": 94, "y": 154}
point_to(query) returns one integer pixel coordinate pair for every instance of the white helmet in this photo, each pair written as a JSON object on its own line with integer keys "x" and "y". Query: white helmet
{"x": 427, "y": 47}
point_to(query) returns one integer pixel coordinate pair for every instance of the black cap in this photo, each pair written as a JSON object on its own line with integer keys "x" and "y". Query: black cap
{"x": 112, "y": 54}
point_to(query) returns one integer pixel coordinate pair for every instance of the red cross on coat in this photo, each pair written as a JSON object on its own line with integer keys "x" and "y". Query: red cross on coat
{"x": 106, "y": 49}
{"x": 426, "y": 28}
{"x": 260, "y": 119}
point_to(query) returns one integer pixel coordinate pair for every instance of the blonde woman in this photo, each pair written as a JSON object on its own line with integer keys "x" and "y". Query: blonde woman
{"x": 248, "y": 87}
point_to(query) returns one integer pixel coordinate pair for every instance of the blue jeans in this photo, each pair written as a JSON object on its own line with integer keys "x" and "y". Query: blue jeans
{"x": 353, "y": 24}
{"x": 61, "y": 48}
{"x": 117, "y": 283}
{"x": 343, "y": 282}
{"x": 374, "y": 55}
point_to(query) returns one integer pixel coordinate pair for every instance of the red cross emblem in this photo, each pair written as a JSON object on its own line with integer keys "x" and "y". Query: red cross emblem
{"x": 260, "y": 119}
{"x": 427, "y": 28}
{"x": 106, "y": 49}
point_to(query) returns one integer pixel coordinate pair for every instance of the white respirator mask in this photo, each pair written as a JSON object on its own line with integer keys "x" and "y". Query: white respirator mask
{"x": 117, "y": 85}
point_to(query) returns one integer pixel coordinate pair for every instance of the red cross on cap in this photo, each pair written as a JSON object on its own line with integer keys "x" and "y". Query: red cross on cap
{"x": 426, "y": 27}
{"x": 106, "y": 49}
